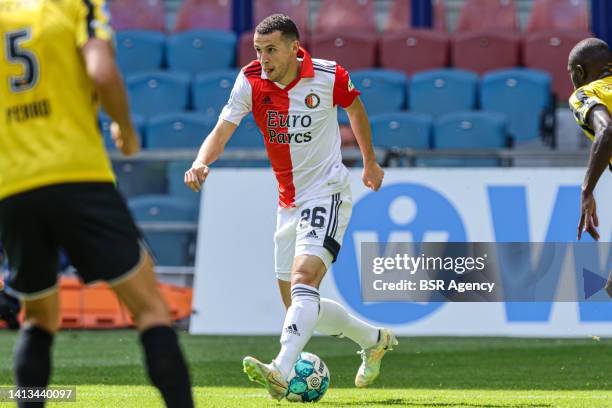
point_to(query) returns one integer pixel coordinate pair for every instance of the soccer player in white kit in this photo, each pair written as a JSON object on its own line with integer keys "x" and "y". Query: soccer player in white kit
{"x": 294, "y": 100}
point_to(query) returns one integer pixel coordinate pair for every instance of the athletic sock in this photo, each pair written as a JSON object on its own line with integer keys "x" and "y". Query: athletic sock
{"x": 300, "y": 322}
{"x": 334, "y": 320}
{"x": 166, "y": 366}
{"x": 32, "y": 364}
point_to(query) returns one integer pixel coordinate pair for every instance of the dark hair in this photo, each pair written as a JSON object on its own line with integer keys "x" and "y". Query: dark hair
{"x": 278, "y": 22}
{"x": 591, "y": 51}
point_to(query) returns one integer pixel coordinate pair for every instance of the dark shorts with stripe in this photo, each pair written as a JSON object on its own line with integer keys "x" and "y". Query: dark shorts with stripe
{"x": 89, "y": 221}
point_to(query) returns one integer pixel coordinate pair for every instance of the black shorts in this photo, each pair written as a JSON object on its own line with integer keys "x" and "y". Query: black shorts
{"x": 90, "y": 221}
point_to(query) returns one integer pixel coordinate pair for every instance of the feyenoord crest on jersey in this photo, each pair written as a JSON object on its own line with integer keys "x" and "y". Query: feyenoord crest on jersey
{"x": 312, "y": 100}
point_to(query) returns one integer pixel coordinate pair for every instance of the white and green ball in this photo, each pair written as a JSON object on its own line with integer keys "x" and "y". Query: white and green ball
{"x": 308, "y": 380}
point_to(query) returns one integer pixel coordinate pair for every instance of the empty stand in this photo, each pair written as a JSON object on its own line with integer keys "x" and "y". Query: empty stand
{"x": 401, "y": 130}
{"x": 559, "y": 15}
{"x": 140, "y": 50}
{"x": 211, "y": 91}
{"x": 204, "y": 14}
{"x": 136, "y": 178}
{"x": 199, "y": 51}
{"x": 153, "y": 93}
{"x": 354, "y": 50}
{"x": 523, "y": 95}
{"x": 354, "y": 15}
{"x": 400, "y": 16}
{"x": 442, "y": 91}
{"x": 105, "y": 123}
{"x": 138, "y": 15}
{"x": 184, "y": 130}
{"x": 548, "y": 51}
{"x": 485, "y": 51}
{"x": 485, "y": 15}
{"x": 413, "y": 51}
{"x": 169, "y": 248}
{"x": 247, "y": 135}
{"x": 382, "y": 91}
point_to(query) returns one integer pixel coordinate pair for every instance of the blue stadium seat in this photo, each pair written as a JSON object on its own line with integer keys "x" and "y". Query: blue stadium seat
{"x": 105, "y": 122}
{"x": 139, "y": 51}
{"x": 442, "y": 91}
{"x": 176, "y": 185}
{"x": 154, "y": 93}
{"x": 199, "y": 51}
{"x": 468, "y": 131}
{"x": 382, "y": 91}
{"x": 183, "y": 130}
{"x": 136, "y": 178}
{"x": 169, "y": 248}
{"x": 402, "y": 129}
{"x": 211, "y": 91}
{"x": 523, "y": 95}
{"x": 247, "y": 136}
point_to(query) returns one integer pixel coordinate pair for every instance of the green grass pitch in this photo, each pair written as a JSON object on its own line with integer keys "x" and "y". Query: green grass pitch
{"x": 106, "y": 368}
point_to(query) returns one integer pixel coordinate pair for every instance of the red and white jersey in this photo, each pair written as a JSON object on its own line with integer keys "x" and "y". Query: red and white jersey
{"x": 299, "y": 124}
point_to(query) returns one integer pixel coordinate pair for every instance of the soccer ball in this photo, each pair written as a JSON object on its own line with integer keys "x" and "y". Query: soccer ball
{"x": 309, "y": 379}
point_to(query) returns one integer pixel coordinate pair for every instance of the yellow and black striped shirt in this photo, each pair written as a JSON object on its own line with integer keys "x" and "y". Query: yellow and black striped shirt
{"x": 48, "y": 106}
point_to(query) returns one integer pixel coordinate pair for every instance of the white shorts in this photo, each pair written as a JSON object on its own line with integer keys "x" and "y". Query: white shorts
{"x": 314, "y": 228}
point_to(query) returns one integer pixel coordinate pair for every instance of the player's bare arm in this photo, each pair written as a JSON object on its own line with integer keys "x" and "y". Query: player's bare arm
{"x": 102, "y": 69}
{"x": 601, "y": 152}
{"x": 373, "y": 174}
{"x": 210, "y": 151}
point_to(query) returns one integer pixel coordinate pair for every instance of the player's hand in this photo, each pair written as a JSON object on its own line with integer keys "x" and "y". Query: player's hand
{"x": 588, "y": 216}
{"x": 126, "y": 140}
{"x": 196, "y": 175}
{"x": 372, "y": 176}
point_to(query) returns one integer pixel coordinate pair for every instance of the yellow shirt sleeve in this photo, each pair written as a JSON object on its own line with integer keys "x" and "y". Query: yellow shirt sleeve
{"x": 581, "y": 103}
{"x": 92, "y": 21}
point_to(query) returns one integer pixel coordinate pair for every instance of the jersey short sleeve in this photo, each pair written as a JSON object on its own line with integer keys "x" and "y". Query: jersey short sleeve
{"x": 92, "y": 21}
{"x": 240, "y": 101}
{"x": 344, "y": 90}
{"x": 581, "y": 102}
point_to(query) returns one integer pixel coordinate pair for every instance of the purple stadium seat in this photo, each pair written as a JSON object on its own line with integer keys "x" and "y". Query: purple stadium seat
{"x": 204, "y": 14}
{"x": 485, "y": 51}
{"x": 355, "y": 15}
{"x": 414, "y": 50}
{"x": 354, "y": 50}
{"x": 138, "y": 15}
{"x": 548, "y": 51}
{"x": 486, "y": 15}
{"x": 400, "y": 15}
{"x": 559, "y": 15}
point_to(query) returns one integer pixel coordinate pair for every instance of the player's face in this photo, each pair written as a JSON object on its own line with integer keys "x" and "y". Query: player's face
{"x": 275, "y": 54}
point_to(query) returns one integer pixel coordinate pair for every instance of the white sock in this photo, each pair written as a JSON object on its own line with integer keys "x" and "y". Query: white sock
{"x": 334, "y": 320}
{"x": 300, "y": 322}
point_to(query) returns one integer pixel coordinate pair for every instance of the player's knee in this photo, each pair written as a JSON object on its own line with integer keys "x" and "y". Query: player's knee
{"x": 304, "y": 276}
{"x": 152, "y": 313}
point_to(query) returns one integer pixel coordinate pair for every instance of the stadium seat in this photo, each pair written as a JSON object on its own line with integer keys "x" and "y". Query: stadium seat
{"x": 523, "y": 95}
{"x": 346, "y": 15}
{"x": 153, "y": 93}
{"x": 298, "y": 10}
{"x": 352, "y": 50}
{"x": 401, "y": 130}
{"x": 442, "y": 91}
{"x": 204, "y": 14}
{"x": 211, "y": 91}
{"x": 105, "y": 123}
{"x": 169, "y": 248}
{"x": 138, "y": 15}
{"x": 413, "y": 51}
{"x": 382, "y": 91}
{"x": 487, "y": 15}
{"x": 247, "y": 136}
{"x": 548, "y": 51}
{"x": 176, "y": 186}
{"x": 558, "y": 15}
{"x": 199, "y": 51}
{"x": 485, "y": 51}
{"x": 140, "y": 50}
{"x": 184, "y": 130}
{"x": 137, "y": 178}
{"x": 400, "y": 16}
{"x": 468, "y": 131}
